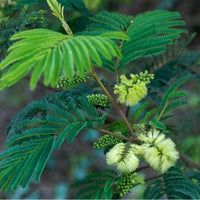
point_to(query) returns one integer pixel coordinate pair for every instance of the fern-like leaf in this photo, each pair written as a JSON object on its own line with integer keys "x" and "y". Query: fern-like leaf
{"x": 35, "y": 131}
{"x": 149, "y": 33}
{"x": 96, "y": 185}
{"x": 48, "y": 52}
{"x": 175, "y": 185}
{"x": 20, "y": 162}
{"x": 171, "y": 93}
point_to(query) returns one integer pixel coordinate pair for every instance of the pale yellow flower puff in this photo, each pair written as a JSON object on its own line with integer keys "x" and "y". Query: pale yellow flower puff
{"x": 129, "y": 92}
{"x": 126, "y": 81}
{"x": 151, "y": 155}
{"x": 140, "y": 149}
{"x": 161, "y": 153}
{"x": 126, "y": 165}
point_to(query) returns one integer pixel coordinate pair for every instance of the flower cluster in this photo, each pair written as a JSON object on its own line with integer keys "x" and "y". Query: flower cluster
{"x": 99, "y": 100}
{"x": 156, "y": 149}
{"x": 66, "y": 83}
{"x": 131, "y": 91}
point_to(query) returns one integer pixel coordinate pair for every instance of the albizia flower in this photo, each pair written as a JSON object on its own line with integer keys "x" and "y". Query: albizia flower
{"x": 159, "y": 152}
{"x": 129, "y": 92}
{"x": 126, "y": 164}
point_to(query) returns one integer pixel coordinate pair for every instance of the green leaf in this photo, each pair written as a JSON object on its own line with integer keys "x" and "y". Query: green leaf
{"x": 170, "y": 90}
{"x": 148, "y": 115}
{"x": 175, "y": 185}
{"x": 149, "y": 34}
{"x": 177, "y": 94}
{"x": 39, "y": 128}
{"x": 29, "y": 157}
{"x": 48, "y": 52}
{"x": 140, "y": 110}
{"x": 157, "y": 124}
{"x": 116, "y": 35}
{"x": 175, "y": 104}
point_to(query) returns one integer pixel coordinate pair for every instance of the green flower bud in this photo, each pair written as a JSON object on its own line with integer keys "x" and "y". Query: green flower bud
{"x": 66, "y": 83}
{"x": 107, "y": 140}
{"x": 99, "y": 100}
{"x": 128, "y": 182}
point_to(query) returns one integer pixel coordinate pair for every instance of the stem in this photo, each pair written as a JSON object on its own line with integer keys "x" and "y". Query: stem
{"x": 189, "y": 162}
{"x": 127, "y": 111}
{"x": 115, "y": 104}
{"x": 66, "y": 27}
{"x": 111, "y": 133}
{"x": 163, "y": 110}
{"x": 117, "y": 63}
{"x": 142, "y": 168}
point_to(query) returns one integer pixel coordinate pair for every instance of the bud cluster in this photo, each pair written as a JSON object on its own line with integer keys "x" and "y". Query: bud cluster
{"x": 142, "y": 77}
{"x": 128, "y": 182}
{"x": 99, "y": 100}
{"x": 106, "y": 140}
{"x": 66, "y": 83}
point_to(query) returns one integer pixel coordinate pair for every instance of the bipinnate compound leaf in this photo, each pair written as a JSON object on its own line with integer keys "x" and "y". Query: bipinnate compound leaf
{"x": 20, "y": 162}
{"x": 48, "y": 53}
{"x": 150, "y": 33}
{"x": 175, "y": 185}
{"x": 43, "y": 126}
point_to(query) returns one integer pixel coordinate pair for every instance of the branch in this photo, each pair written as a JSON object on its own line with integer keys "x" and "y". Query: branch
{"x": 116, "y": 105}
{"x": 188, "y": 161}
{"x": 111, "y": 133}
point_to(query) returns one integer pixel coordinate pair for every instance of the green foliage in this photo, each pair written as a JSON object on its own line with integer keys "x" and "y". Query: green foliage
{"x": 23, "y": 21}
{"x": 68, "y": 4}
{"x": 96, "y": 185}
{"x": 31, "y": 138}
{"x": 175, "y": 185}
{"x": 149, "y": 33}
{"x": 42, "y": 51}
{"x": 18, "y": 163}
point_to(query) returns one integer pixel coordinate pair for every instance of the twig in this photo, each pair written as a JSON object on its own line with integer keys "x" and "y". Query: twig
{"x": 188, "y": 161}
{"x": 115, "y": 104}
{"x": 153, "y": 177}
{"x": 111, "y": 133}
{"x": 142, "y": 168}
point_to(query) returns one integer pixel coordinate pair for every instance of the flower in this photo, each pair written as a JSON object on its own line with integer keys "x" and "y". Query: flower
{"x": 125, "y": 163}
{"x": 129, "y": 91}
{"x": 159, "y": 152}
